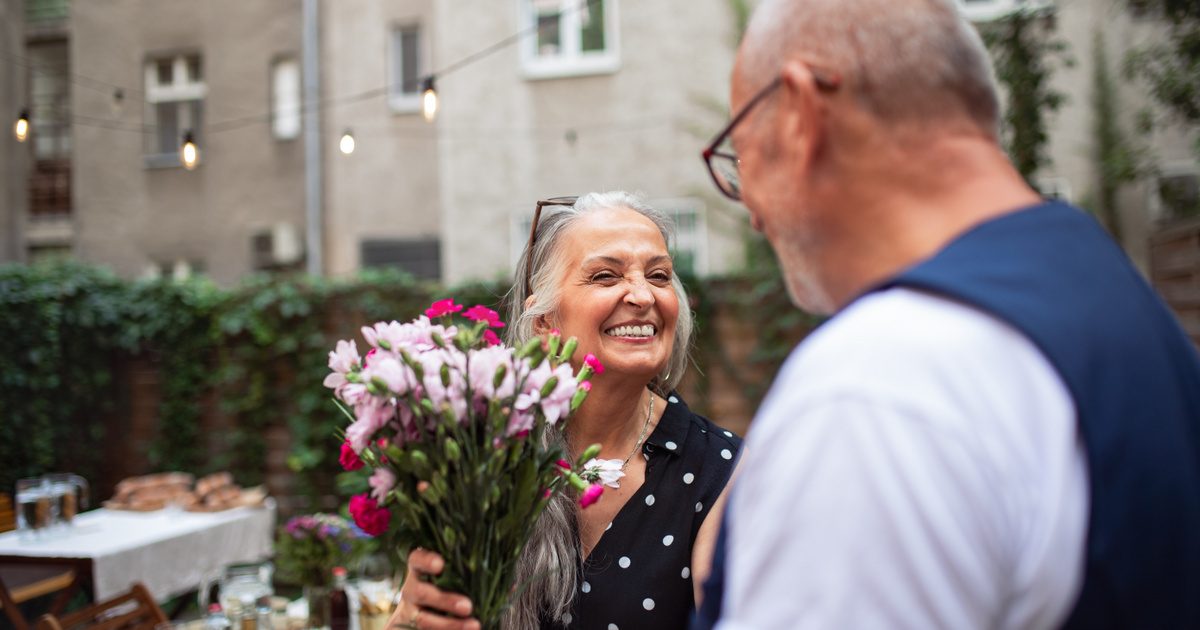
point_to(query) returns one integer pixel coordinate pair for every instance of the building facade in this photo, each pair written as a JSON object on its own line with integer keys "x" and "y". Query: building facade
{"x": 571, "y": 96}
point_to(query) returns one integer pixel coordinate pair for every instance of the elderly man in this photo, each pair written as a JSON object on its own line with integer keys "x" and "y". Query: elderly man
{"x": 1000, "y": 425}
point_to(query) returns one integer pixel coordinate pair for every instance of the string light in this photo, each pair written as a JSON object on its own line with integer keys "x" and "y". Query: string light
{"x": 346, "y": 144}
{"x": 429, "y": 99}
{"x": 21, "y": 127}
{"x": 188, "y": 153}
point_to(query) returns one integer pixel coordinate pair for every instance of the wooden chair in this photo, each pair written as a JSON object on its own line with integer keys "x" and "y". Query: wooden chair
{"x": 133, "y": 610}
{"x": 8, "y": 518}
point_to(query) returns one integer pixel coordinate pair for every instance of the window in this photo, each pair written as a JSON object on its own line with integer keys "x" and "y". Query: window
{"x": 51, "y": 103}
{"x": 285, "y": 99}
{"x": 175, "y": 93}
{"x": 404, "y": 82}
{"x": 569, "y": 38}
{"x": 1176, "y": 194}
{"x": 420, "y": 257}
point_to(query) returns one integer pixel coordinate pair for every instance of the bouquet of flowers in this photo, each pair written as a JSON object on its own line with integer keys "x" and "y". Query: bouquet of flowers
{"x": 310, "y": 546}
{"x": 452, "y": 424}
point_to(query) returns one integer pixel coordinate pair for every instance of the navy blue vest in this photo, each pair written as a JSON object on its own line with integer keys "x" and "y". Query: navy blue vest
{"x": 1052, "y": 273}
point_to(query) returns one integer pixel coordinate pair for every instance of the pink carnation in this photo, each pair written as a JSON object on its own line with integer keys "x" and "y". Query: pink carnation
{"x": 491, "y": 338}
{"x": 589, "y": 496}
{"x": 481, "y": 313}
{"x": 443, "y": 307}
{"x": 349, "y": 459}
{"x": 369, "y": 517}
{"x": 594, "y": 363}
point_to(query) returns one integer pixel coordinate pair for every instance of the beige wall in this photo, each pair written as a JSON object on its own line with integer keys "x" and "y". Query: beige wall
{"x": 503, "y": 138}
{"x": 387, "y": 188}
{"x": 14, "y": 156}
{"x": 129, "y": 216}
{"x": 1072, "y": 129}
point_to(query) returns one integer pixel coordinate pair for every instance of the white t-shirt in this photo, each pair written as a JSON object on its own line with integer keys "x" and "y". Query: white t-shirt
{"x": 915, "y": 465}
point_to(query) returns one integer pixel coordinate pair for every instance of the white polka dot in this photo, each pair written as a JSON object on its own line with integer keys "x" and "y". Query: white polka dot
{"x": 673, "y": 399}
{"x": 648, "y": 604}
{"x": 649, "y": 499}
{"x": 686, "y": 573}
{"x": 608, "y": 527}
{"x": 613, "y": 626}
{"x": 567, "y": 618}
{"x": 671, "y": 446}
{"x": 699, "y": 506}
{"x": 688, "y": 478}
{"x": 586, "y": 588}
{"x": 727, "y": 434}
{"x": 624, "y": 562}
{"x": 667, "y": 540}
{"x": 726, "y": 454}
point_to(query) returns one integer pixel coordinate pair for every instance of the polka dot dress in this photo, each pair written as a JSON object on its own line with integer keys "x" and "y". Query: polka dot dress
{"x": 639, "y": 574}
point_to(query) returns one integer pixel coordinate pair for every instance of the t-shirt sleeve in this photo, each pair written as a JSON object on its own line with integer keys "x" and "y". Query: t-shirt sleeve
{"x": 863, "y": 515}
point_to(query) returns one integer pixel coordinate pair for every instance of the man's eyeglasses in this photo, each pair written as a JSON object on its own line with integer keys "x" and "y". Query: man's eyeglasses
{"x": 720, "y": 158}
{"x": 537, "y": 215}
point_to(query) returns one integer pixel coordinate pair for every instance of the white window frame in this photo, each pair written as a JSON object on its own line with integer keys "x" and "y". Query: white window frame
{"x": 988, "y": 10}
{"x": 572, "y": 62}
{"x": 1154, "y": 200}
{"x": 180, "y": 90}
{"x": 1055, "y": 187}
{"x": 399, "y": 101}
{"x": 286, "y": 110}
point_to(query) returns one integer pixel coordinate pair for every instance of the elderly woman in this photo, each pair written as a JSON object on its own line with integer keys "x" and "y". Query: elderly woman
{"x": 598, "y": 269}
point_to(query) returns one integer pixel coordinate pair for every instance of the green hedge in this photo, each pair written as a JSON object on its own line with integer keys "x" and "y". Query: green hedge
{"x": 258, "y": 351}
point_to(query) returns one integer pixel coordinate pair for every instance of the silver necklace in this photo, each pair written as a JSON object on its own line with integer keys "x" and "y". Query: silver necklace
{"x": 645, "y": 426}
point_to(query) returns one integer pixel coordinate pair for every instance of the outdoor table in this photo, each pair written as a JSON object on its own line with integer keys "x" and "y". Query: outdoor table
{"x": 171, "y": 551}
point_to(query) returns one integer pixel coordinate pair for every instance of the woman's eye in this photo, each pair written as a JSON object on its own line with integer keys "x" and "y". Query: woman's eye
{"x": 604, "y": 276}
{"x": 661, "y": 276}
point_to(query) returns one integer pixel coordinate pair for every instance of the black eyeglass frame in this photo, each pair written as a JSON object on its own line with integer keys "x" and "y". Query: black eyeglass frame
{"x": 568, "y": 200}
{"x": 825, "y": 81}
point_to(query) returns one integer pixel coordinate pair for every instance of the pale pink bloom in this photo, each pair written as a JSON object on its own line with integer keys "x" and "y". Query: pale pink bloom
{"x": 344, "y": 357}
{"x": 371, "y": 414}
{"x": 557, "y": 404}
{"x": 382, "y": 481}
{"x": 484, "y": 363}
{"x": 438, "y": 393}
{"x": 398, "y": 378}
{"x": 352, "y": 393}
{"x": 334, "y": 380}
{"x": 606, "y": 471}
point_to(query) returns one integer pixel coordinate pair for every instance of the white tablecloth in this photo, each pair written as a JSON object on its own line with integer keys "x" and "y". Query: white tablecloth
{"x": 170, "y": 551}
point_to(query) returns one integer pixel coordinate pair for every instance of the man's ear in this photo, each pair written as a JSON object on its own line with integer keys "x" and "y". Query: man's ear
{"x": 801, "y": 110}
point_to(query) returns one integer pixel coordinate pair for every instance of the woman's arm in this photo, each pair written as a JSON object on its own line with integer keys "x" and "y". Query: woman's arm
{"x": 706, "y": 538}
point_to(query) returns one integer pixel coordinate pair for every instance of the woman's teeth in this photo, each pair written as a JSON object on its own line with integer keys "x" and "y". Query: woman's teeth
{"x": 631, "y": 331}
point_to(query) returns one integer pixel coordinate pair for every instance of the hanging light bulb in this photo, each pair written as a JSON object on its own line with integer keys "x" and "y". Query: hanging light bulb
{"x": 188, "y": 153}
{"x": 429, "y": 100}
{"x": 21, "y": 127}
{"x": 346, "y": 144}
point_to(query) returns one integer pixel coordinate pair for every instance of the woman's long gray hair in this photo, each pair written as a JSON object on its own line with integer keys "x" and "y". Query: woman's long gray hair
{"x": 553, "y": 558}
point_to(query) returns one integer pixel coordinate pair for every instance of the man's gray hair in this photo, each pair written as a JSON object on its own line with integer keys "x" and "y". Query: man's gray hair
{"x": 547, "y": 569}
{"x": 906, "y": 61}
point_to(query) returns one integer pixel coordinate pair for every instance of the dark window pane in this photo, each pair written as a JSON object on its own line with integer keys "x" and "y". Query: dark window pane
{"x": 419, "y": 257}
{"x": 194, "y": 69}
{"x": 168, "y": 134}
{"x": 164, "y": 69}
{"x": 592, "y": 26}
{"x": 409, "y": 60}
{"x": 549, "y": 41}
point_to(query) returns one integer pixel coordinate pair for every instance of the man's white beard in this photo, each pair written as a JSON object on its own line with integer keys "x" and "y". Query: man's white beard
{"x": 800, "y": 278}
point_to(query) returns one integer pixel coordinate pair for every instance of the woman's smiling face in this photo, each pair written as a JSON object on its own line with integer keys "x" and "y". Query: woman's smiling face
{"x": 615, "y": 292}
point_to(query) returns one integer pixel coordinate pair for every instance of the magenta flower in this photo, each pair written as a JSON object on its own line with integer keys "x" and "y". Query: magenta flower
{"x": 481, "y": 313}
{"x": 442, "y": 307}
{"x": 491, "y": 338}
{"x": 591, "y": 361}
{"x": 349, "y": 459}
{"x": 591, "y": 495}
{"x": 369, "y": 517}
{"x": 586, "y": 386}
